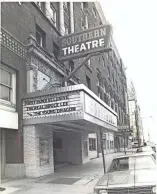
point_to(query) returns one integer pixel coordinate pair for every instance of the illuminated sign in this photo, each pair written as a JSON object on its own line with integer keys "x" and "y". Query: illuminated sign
{"x": 50, "y": 105}
{"x": 96, "y": 109}
{"x": 68, "y": 104}
{"x": 77, "y": 45}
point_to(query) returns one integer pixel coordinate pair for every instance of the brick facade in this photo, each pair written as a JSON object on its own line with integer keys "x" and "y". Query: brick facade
{"x": 21, "y": 52}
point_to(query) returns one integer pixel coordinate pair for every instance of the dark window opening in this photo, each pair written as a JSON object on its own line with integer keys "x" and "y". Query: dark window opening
{"x": 84, "y": 5}
{"x": 88, "y": 82}
{"x": 41, "y": 6}
{"x": 40, "y": 37}
{"x": 71, "y": 66}
{"x": 105, "y": 98}
{"x": 55, "y": 50}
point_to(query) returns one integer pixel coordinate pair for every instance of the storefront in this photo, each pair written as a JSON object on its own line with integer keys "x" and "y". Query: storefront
{"x": 7, "y": 127}
{"x": 57, "y": 124}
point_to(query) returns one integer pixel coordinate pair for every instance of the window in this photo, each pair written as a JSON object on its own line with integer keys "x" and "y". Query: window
{"x": 7, "y": 85}
{"x": 41, "y": 6}
{"x": 94, "y": 12}
{"x": 88, "y": 82}
{"x": 71, "y": 66}
{"x": 84, "y": 5}
{"x": 116, "y": 108}
{"x": 40, "y": 37}
{"x": 53, "y": 14}
{"x": 105, "y": 98}
{"x": 112, "y": 104}
{"x": 119, "y": 164}
{"x": 55, "y": 50}
{"x": 84, "y": 22}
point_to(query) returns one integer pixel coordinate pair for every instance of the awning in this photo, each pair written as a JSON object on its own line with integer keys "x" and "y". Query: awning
{"x": 71, "y": 107}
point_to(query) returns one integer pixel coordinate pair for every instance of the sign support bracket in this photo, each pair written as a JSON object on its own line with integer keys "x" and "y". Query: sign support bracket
{"x": 83, "y": 63}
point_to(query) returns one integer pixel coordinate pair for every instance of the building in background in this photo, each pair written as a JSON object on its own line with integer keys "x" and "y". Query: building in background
{"x": 29, "y": 63}
{"x": 135, "y": 116}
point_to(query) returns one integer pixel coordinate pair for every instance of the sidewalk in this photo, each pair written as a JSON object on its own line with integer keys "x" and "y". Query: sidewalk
{"x": 78, "y": 179}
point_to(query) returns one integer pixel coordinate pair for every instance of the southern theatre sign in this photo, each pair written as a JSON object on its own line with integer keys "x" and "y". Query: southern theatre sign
{"x": 77, "y": 45}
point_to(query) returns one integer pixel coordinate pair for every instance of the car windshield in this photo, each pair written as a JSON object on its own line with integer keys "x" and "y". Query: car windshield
{"x": 119, "y": 164}
{"x": 138, "y": 162}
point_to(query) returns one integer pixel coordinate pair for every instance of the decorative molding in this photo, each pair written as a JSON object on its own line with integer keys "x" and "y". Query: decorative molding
{"x": 13, "y": 44}
{"x": 30, "y": 66}
{"x": 35, "y": 79}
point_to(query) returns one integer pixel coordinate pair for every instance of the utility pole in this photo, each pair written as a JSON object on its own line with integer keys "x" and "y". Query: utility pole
{"x": 124, "y": 143}
{"x": 102, "y": 150}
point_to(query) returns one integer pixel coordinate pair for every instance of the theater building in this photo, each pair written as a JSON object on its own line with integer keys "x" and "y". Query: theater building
{"x": 45, "y": 126}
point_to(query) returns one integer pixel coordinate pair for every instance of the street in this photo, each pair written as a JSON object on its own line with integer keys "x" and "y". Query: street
{"x": 79, "y": 179}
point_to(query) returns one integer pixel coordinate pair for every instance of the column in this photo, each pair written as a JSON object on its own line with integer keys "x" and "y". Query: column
{"x": 38, "y": 151}
{"x": 71, "y": 17}
{"x": 61, "y": 22}
{"x": 49, "y": 11}
{"x": 29, "y": 81}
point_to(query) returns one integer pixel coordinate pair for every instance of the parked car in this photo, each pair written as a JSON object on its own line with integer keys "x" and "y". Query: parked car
{"x": 147, "y": 149}
{"x": 154, "y": 148}
{"x": 131, "y": 174}
{"x": 134, "y": 144}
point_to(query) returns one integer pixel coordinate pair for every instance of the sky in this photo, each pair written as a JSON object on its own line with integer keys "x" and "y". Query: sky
{"x": 134, "y": 25}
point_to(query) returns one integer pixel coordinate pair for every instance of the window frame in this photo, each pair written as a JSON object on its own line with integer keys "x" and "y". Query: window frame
{"x": 84, "y": 22}
{"x": 94, "y": 12}
{"x": 88, "y": 81}
{"x": 12, "y": 101}
{"x": 71, "y": 65}
{"x": 41, "y": 5}
{"x": 56, "y": 49}
{"x": 42, "y": 37}
{"x": 84, "y": 6}
{"x": 54, "y": 14}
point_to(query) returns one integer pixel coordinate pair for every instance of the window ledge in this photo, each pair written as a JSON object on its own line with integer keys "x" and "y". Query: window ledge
{"x": 7, "y": 105}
